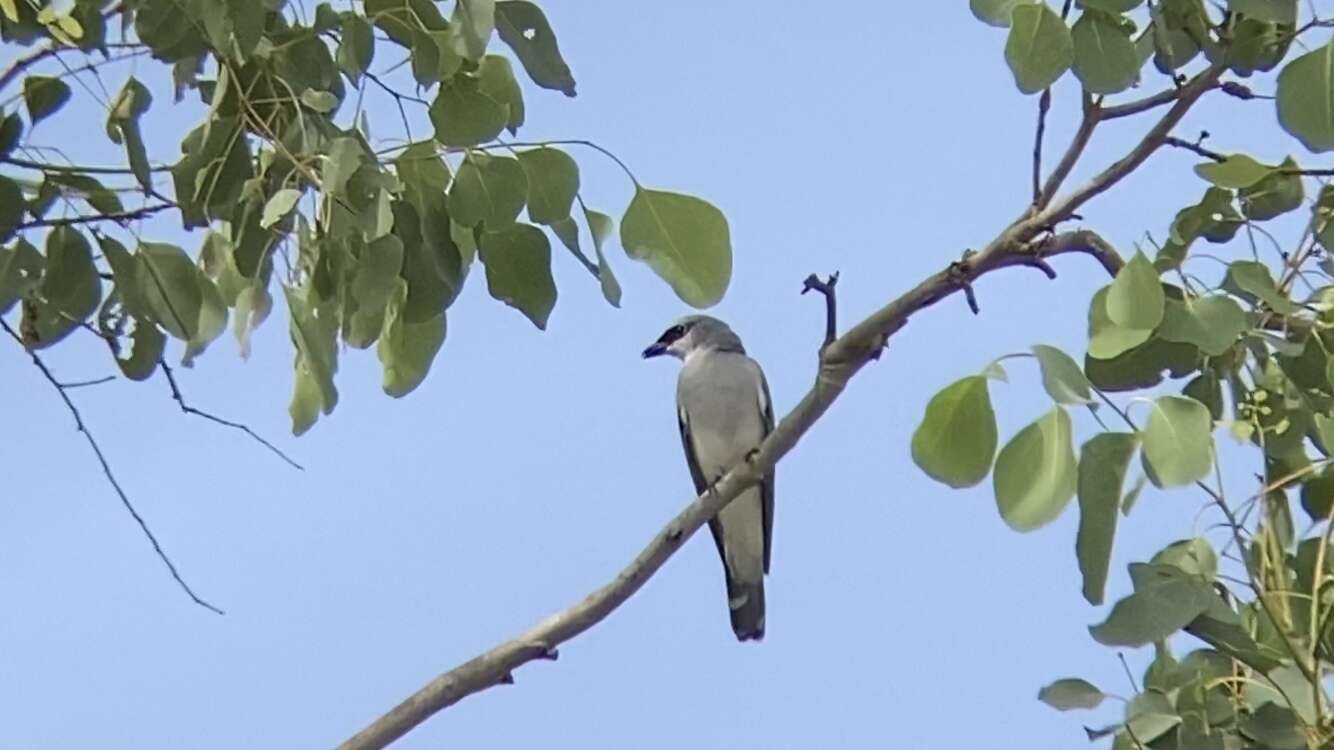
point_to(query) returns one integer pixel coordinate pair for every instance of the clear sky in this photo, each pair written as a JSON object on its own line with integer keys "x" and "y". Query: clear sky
{"x": 877, "y": 139}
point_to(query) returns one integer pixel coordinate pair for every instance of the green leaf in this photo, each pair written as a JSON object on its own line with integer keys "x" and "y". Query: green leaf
{"x": 1238, "y": 171}
{"x": 1105, "y": 61}
{"x": 44, "y": 95}
{"x": 518, "y": 270}
{"x": 1039, "y": 49}
{"x": 601, "y": 227}
{"x": 1254, "y": 278}
{"x": 1275, "y": 11}
{"x": 1107, "y": 339}
{"x": 1207, "y": 390}
{"x": 374, "y": 281}
{"x": 320, "y": 101}
{"x": 1135, "y": 299}
{"x": 11, "y": 207}
{"x": 956, "y": 441}
{"x": 146, "y": 347}
{"x": 464, "y": 116}
{"x": 20, "y": 272}
{"x": 1274, "y": 195}
{"x": 71, "y": 287}
{"x": 212, "y": 319}
{"x": 472, "y": 22}
{"x": 1061, "y": 376}
{"x": 1317, "y": 494}
{"x": 523, "y": 27}
{"x": 495, "y": 78}
{"x": 170, "y": 290}
{"x": 1213, "y": 218}
{"x": 1306, "y": 98}
{"x": 1194, "y": 557}
{"x": 1165, "y": 600}
{"x": 123, "y": 127}
{"x": 489, "y": 190}
{"x": 1177, "y": 441}
{"x": 407, "y": 349}
{"x": 1211, "y": 323}
{"x": 252, "y": 308}
{"x": 11, "y": 130}
{"x": 86, "y": 188}
{"x": 1036, "y": 473}
{"x": 1071, "y": 693}
{"x": 314, "y": 327}
{"x": 685, "y": 240}
{"x": 1142, "y": 366}
{"x": 1150, "y": 715}
{"x": 1103, "y": 463}
{"x": 995, "y": 12}
{"x": 431, "y": 268}
{"x": 553, "y": 180}
{"x": 279, "y": 205}
{"x": 356, "y": 47}
{"x": 1112, "y": 6}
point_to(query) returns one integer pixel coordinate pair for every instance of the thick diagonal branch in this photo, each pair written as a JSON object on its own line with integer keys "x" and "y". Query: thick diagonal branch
{"x": 1025, "y": 242}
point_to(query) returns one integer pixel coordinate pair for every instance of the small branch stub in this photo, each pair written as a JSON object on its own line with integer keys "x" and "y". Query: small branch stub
{"x": 826, "y": 288}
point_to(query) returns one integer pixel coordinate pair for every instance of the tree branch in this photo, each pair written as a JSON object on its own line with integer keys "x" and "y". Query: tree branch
{"x": 1044, "y": 105}
{"x": 1071, "y": 156}
{"x": 826, "y": 288}
{"x": 180, "y": 400}
{"x": 1016, "y": 245}
{"x": 106, "y": 470}
{"x": 120, "y": 218}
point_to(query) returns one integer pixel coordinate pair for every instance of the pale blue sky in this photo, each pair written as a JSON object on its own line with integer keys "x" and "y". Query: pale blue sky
{"x": 878, "y": 139}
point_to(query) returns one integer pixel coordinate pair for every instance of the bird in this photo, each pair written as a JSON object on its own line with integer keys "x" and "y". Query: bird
{"x": 724, "y": 413}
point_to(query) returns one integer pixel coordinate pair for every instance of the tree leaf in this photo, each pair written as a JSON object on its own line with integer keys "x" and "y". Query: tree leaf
{"x": 1212, "y": 323}
{"x": 1165, "y": 600}
{"x": 253, "y": 305}
{"x": 170, "y": 290}
{"x": 1274, "y": 11}
{"x": 1103, "y": 462}
{"x": 321, "y": 101}
{"x": 147, "y": 342}
{"x": 71, "y": 288}
{"x": 1150, "y": 715}
{"x": 1039, "y": 49}
{"x": 1274, "y": 195}
{"x": 1036, "y": 473}
{"x": 20, "y": 272}
{"x": 1177, "y": 441}
{"x": 995, "y": 12}
{"x": 685, "y": 240}
{"x": 1135, "y": 299}
{"x": 212, "y": 319}
{"x": 314, "y": 328}
{"x": 1238, "y": 171}
{"x": 407, "y": 349}
{"x": 1108, "y": 340}
{"x": 372, "y": 284}
{"x": 44, "y": 96}
{"x": 1194, "y": 557}
{"x": 11, "y": 207}
{"x": 1213, "y": 218}
{"x": 1254, "y": 278}
{"x": 356, "y": 48}
{"x": 123, "y": 127}
{"x": 956, "y": 441}
{"x": 524, "y": 27}
{"x": 1061, "y": 376}
{"x": 1071, "y": 693}
{"x": 1306, "y": 98}
{"x": 601, "y": 227}
{"x": 464, "y": 116}
{"x": 495, "y": 78}
{"x": 489, "y": 190}
{"x": 1105, "y": 60}
{"x": 518, "y": 270}
{"x": 472, "y": 23}
{"x": 553, "y": 181}
{"x": 279, "y": 205}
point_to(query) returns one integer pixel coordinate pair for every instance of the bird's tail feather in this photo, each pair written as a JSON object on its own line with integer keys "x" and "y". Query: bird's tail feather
{"x": 747, "y": 605}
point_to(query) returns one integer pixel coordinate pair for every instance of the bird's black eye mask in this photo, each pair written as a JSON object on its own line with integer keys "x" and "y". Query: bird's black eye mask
{"x": 668, "y": 337}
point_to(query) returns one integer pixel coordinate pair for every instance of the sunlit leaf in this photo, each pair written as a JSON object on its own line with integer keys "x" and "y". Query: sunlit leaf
{"x": 1039, "y": 49}
{"x": 1238, "y": 171}
{"x": 1035, "y": 472}
{"x": 553, "y": 181}
{"x": 1105, "y": 60}
{"x": 1177, "y": 441}
{"x": 1306, "y": 98}
{"x": 684, "y": 239}
{"x": 1061, "y": 376}
{"x": 956, "y": 441}
{"x": 1135, "y": 298}
{"x": 1071, "y": 693}
{"x": 1211, "y": 323}
{"x": 1103, "y": 463}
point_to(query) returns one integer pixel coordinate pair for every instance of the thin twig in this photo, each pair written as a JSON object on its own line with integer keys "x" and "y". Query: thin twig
{"x": 106, "y": 470}
{"x": 1044, "y": 105}
{"x": 180, "y": 399}
{"x": 120, "y": 218}
{"x": 86, "y": 383}
{"x": 1195, "y": 148}
{"x": 826, "y": 288}
{"x": 27, "y": 164}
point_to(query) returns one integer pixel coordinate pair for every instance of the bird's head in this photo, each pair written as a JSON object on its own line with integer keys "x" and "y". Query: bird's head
{"x": 694, "y": 333}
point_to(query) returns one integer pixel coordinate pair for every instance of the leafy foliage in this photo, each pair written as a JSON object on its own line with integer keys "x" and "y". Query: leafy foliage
{"x": 376, "y": 237}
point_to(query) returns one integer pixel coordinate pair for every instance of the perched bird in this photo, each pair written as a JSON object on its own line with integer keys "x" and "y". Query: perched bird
{"x": 722, "y": 404}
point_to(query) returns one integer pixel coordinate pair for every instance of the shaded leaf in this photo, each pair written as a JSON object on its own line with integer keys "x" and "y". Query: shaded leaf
{"x": 1107, "y": 339}
{"x": 464, "y": 116}
{"x": 44, "y": 95}
{"x": 279, "y": 205}
{"x": 553, "y": 181}
{"x": 995, "y": 12}
{"x": 1135, "y": 299}
{"x": 11, "y": 207}
{"x": 524, "y": 27}
{"x": 20, "y": 272}
{"x": 1213, "y": 323}
{"x": 1306, "y": 98}
{"x": 71, "y": 288}
{"x": 1254, "y": 278}
{"x": 495, "y": 78}
{"x": 1061, "y": 376}
{"x": 1238, "y": 171}
{"x": 1274, "y": 195}
{"x": 1071, "y": 693}
{"x": 956, "y": 441}
{"x": 1103, "y": 463}
{"x": 1165, "y": 600}
{"x": 518, "y": 270}
{"x": 407, "y": 349}
{"x": 489, "y": 190}
{"x": 601, "y": 227}
{"x": 123, "y": 127}
{"x": 1105, "y": 59}
{"x": 356, "y": 48}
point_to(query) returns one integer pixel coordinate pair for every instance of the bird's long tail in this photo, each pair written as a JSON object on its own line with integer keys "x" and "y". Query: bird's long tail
{"x": 747, "y": 604}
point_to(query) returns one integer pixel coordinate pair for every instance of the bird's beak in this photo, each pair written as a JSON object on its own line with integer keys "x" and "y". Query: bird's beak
{"x": 658, "y": 349}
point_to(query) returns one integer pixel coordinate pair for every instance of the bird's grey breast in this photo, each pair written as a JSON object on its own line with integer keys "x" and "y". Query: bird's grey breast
{"x": 722, "y": 397}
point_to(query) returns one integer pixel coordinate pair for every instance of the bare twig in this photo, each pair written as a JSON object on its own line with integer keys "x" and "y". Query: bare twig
{"x": 1044, "y": 105}
{"x": 28, "y": 164}
{"x": 21, "y": 64}
{"x": 1196, "y": 148}
{"x": 1072, "y": 153}
{"x": 179, "y": 399}
{"x": 120, "y": 218}
{"x": 86, "y": 383}
{"x": 106, "y": 470}
{"x": 826, "y": 288}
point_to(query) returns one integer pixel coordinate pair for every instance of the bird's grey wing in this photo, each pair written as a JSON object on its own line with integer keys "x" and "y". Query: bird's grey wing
{"x": 767, "y": 487}
{"x": 715, "y": 527}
